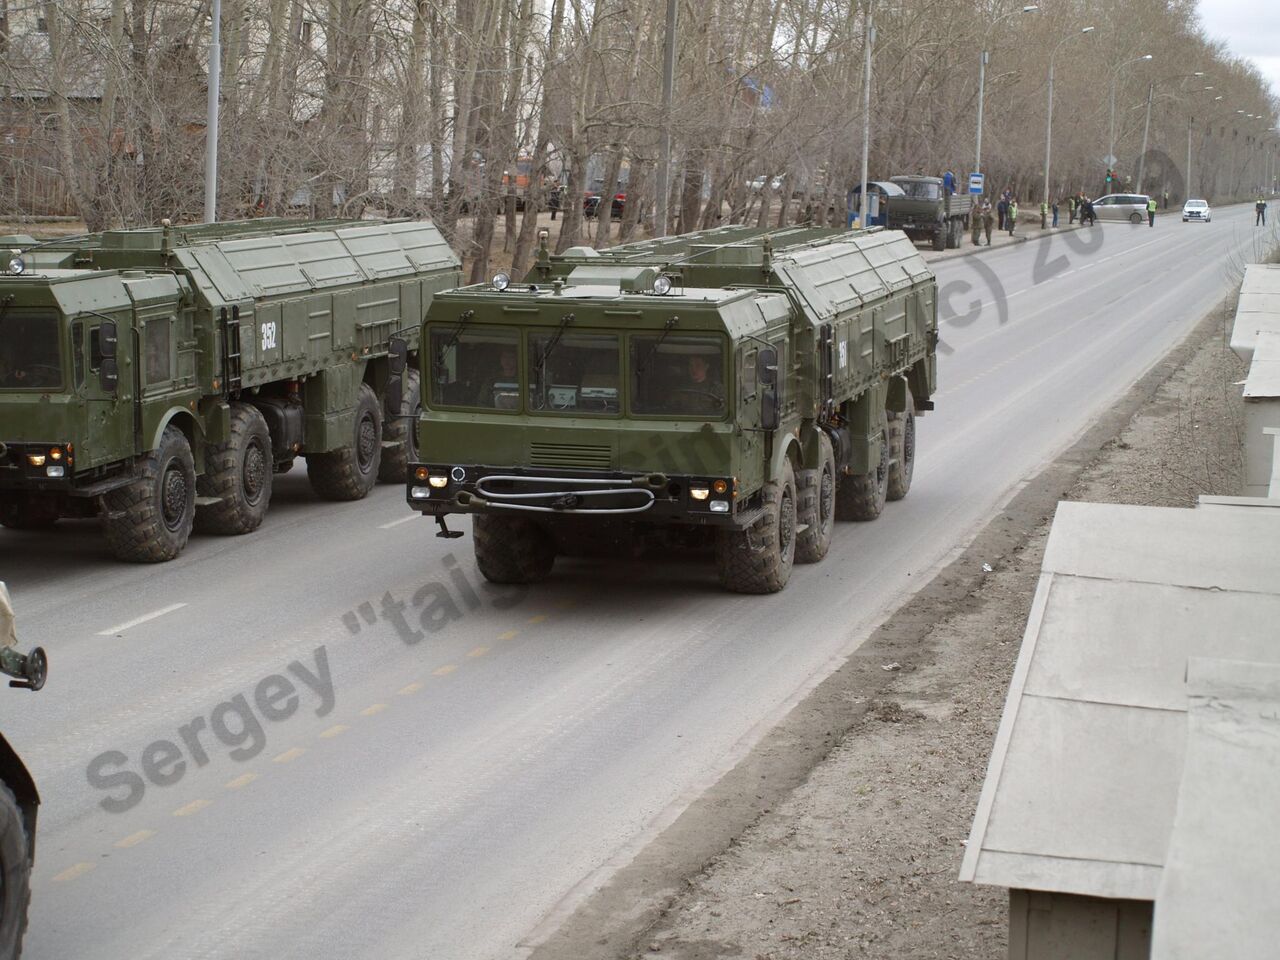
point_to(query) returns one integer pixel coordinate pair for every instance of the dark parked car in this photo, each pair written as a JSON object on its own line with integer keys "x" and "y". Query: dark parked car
{"x": 591, "y": 200}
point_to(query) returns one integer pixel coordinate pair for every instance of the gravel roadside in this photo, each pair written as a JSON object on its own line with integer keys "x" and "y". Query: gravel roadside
{"x": 841, "y": 836}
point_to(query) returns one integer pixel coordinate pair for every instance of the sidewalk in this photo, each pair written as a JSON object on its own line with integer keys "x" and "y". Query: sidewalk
{"x": 1028, "y": 229}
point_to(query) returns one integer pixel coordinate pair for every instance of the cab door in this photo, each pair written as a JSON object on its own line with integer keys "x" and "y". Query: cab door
{"x": 110, "y": 429}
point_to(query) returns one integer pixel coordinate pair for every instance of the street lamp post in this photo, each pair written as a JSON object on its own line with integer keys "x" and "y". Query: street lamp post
{"x": 866, "y": 115}
{"x": 211, "y": 126}
{"x": 982, "y": 77}
{"x": 1115, "y": 75}
{"x": 1048, "y": 128}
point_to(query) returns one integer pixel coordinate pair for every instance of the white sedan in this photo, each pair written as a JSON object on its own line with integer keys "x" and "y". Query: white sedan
{"x": 1195, "y": 210}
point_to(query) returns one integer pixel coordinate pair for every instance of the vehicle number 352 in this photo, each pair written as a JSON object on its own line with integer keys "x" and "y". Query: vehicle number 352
{"x": 269, "y": 336}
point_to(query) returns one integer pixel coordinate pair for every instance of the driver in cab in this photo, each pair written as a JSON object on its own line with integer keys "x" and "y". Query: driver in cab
{"x": 701, "y": 392}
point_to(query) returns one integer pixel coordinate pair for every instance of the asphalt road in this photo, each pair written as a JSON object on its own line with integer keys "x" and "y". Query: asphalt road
{"x": 447, "y": 786}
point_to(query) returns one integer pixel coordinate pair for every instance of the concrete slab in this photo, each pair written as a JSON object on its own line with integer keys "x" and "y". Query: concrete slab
{"x": 1081, "y": 790}
{"x": 1258, "y": 307}
{"x": 1218, "y": 892}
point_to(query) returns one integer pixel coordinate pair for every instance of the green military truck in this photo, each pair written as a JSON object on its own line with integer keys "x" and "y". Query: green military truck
{"x": 19, "y": 801}
{"x": 732, "y": 389}
{"x": 158, "y": 377}
{"x": 925, "y": 211}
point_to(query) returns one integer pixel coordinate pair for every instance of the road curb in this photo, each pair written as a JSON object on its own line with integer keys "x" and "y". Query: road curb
{"x": 613, "y": 922}
{"x": 973, "y": 251}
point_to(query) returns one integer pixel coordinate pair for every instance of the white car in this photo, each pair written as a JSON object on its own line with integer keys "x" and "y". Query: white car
{"x": 1196, "y": 210}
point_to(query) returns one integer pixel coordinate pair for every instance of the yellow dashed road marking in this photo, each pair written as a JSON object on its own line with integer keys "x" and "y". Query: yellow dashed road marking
{"x": 409, "y": 688}
{"x": 335, "y": 730}
{"x": 538, "y": 619}
{"x": 241, "y": 781}
{"x": 133, "y": 839}
{"x": 371, "y": 710}
{"x": 444, "y": 671}
{"x": 478, "y": 652}
{"x": 293, "y": 753}
{"x": 193, "y": 807}
{"x": 509, "y": 635}
{"x": 79, "y": 870}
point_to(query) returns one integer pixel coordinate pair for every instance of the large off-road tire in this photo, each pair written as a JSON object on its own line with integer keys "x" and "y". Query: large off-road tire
{"x": 816, "y": 505}
{"x": 902, "y": 450}
{"x": 940, "y": 239}
{"x": 239, "y": 473}
{"x": 862, "y": 496}
{"x": 30, "y": 514}
{"x": 512, "y": 549}
{"x": 149, "y": 520}
{"x": 350, "y": 472}
{"x": 402, "y": 428}
{"x": 759, "y": 560}
{"x": 15, "y": 876}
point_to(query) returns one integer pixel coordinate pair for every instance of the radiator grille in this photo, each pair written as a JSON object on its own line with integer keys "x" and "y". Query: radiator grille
{"x": 581, "y": 455}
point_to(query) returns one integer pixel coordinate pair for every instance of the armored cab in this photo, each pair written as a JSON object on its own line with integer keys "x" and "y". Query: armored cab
{"x": 743, "y": 394}
{"x": 158, "y": 377}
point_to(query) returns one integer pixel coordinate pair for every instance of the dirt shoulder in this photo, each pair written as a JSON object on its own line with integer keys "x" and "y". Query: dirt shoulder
{"x": 841, "y": 834}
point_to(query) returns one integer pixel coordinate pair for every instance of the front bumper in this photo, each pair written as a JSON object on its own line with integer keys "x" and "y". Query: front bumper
{"x": 549, "y": 495}
{"x": 18, "y": 473}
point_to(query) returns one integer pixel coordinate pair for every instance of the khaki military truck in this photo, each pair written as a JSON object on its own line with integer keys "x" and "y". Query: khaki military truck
{"x": 925, "y": 211}
{"x": 733, "y": 389}
{"x": 158, "y": 377}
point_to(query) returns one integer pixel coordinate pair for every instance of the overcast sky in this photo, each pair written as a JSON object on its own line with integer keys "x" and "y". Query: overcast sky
{"x": 1250, "y": 28}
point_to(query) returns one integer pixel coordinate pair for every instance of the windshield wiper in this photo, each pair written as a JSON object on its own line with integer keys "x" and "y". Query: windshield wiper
{"x": 546, "y": 351}
{"x": 666, "y": 328}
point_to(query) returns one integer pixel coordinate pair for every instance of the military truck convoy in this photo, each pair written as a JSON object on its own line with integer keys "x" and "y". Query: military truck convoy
{"x": 926, "y": 211}
{"x": 158, "y": 377}
{"x": 19, "y": 800}
{"x": 735, "y": 388}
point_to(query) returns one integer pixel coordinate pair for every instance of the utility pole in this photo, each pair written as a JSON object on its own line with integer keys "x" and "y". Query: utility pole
{"x": 866, "y": 115}
{"x": 211, "y": 126}
{"x": 1146, "y": 128}
{"x": 1190, "y": 123}
{"x": 664, "y": 162}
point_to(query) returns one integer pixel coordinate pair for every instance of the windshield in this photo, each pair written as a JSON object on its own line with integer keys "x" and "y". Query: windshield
{"x": 574, "y": 372}
{"x": 921, "y": 191}
{"x": 29, "y": 354}
{"x": 475, "y": 368}
{"x": 677, "y": 376}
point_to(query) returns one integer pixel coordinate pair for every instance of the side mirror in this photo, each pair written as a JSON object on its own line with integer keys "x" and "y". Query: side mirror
{"x": 108, "y": 375}
{"x": 767, "y": 366}
{"x": 398, "y": 356}
{"x": 108, "y": 338}
{"x": 767, "y": 374}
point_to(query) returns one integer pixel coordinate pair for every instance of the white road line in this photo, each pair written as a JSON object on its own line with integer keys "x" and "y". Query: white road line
{"x": 396, "y": 523}
{"x": 121, "y": 628}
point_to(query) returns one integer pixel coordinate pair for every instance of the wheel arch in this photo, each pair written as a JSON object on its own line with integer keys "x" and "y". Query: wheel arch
{"x": 191, "y": 428}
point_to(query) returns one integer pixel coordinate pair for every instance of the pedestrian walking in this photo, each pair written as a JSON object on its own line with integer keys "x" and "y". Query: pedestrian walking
{"x": 1002, "y": 212}
{"x": 1151, "y": 211}
{"x": 1071, "y": 209}
{"x": 1012, "y": 216}
{"x": 988, "y": 220}
{"x": 1166, "y": 199}
{"x": 975, "y": 221}
{"x": 1044, "y": 214}
{"x": 1055, "y": 213}
{"x": 1260, "y": 212}
{"x": 553, "y": 200}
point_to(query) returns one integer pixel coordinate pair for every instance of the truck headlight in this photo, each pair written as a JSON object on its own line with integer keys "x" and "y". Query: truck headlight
{"x": 719, "y": 506}
{"x": 35, "y": 459}
{"x": 55, "y": 470}
{"x": 699, "y": 493}
{"x": 439, "y": 482}
{"x": 419, "y": 493}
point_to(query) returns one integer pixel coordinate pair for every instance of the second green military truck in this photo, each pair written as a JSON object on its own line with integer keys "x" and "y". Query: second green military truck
{"x": 927, "y": 211}
{"x": 158, "y": 377}
{"x": 733, "y": 389}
